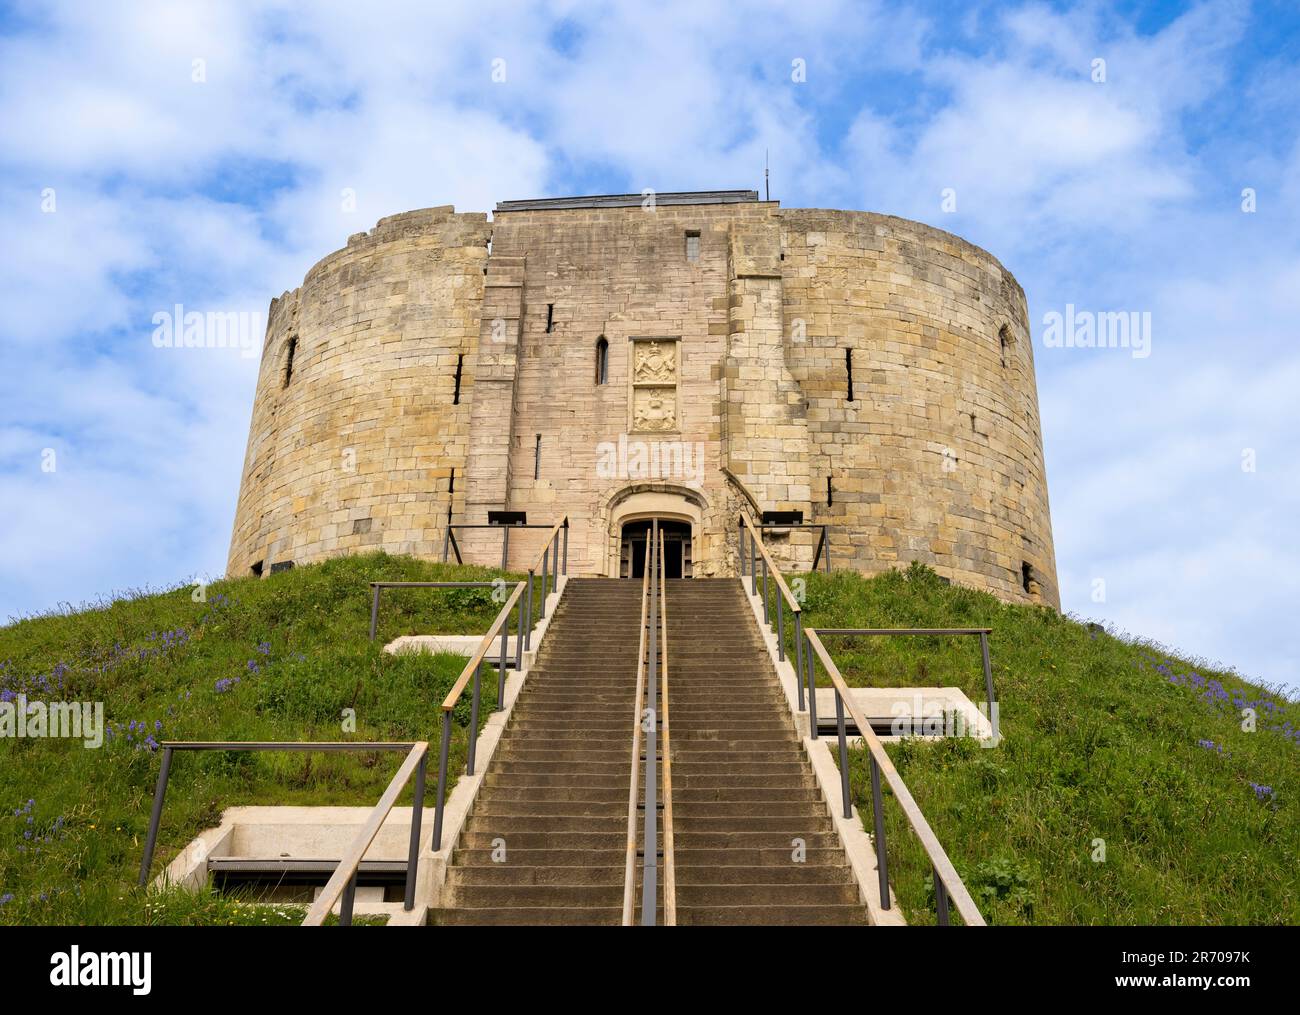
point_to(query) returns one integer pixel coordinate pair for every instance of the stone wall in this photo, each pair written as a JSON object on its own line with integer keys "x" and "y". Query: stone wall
{"x": 732, "y": 345}
{"x": 356, "y": 451}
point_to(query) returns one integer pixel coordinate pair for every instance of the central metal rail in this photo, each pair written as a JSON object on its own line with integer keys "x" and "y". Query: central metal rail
{"x": 652, "y": 662}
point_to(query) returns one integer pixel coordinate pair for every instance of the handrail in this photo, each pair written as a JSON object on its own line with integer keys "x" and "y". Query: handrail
{"x": 769, "y": 563}
{"x": 670, "y": 863}
{"x": 990, "y": 700}
{"x": 551, "y": 544}
{"x": 629, "y": 872}
{"x": 164, "y": 775}
{"x": 822, "y": 541}
{"x": 344, "y": 880}
{"x": 758, "y": 552}
{"x": 948, "y": 884}
{"x": 449, "y": 537}
{"x": 378, "y": 587}
{"x": 474, "y": 669}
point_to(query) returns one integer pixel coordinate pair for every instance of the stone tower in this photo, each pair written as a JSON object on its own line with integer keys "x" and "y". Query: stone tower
{"x": 616, "y": 359}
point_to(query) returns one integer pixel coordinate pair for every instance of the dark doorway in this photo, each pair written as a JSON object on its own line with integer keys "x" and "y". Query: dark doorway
{"x": 677, "y": 549}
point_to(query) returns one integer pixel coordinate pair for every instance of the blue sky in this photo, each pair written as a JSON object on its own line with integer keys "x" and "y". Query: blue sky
{"x": 1122, "y": 194}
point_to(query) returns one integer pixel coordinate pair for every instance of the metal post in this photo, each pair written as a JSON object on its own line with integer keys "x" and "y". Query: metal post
{"x": 417, "y": 813}
{"x": 780, "y": 626}
{"x": 650, "y": 842}
{"x": 349, "y": 896}
{"x": 940, "y": 899}
{"x": 988, "y": 673}
{"x": 528, "y": 619}
{"x": 878, "y": 821}
{"x": 501, "y": 671}
{"x": 767, "y": 609}
{"x": 566, "y": 545}
{"x": 555, "y": 567}
{"x": 798, "y": 655}
{"x": 473, "y": 720}
{"x": 812, "y": 690}
{"x": 741, "y": 555}
{"x": 505, "y": 546}
{"x": 844, "y": 755}
{"x": 151, "y": 840}
{"x": 519, "y": 637}
{"x": 753, "y": 565}
{"x": 546, "y": 559}
{"x": 442, "y": 779}
{"x": 374, "y": 612}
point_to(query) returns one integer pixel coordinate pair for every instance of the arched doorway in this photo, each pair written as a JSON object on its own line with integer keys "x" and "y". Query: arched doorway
{"x": 635, "y": 537}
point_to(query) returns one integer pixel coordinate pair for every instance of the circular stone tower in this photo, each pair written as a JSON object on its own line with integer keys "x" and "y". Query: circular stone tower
{"x": 612, "y": 362}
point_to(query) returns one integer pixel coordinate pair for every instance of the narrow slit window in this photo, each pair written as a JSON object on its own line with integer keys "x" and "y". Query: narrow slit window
{"x": 288, "y": 360}
{"x": 1004, "y": 344}
{"x": 848, "y": 370}
{"x": 1026, "y": 574}
{"x": 693, "y": 245}
{"x": 550, "y": 317}
{"x": 537, "y": 458}
{"x": 451, "y": 486}
{"x": 460, "y": 365}
{"x": 830, "y": 494}
{"x": 602, "y": 360}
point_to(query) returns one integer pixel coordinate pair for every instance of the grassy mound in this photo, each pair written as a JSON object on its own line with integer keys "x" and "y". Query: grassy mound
{"x": 277, "y": 659}
{"x": 1130, "y": 787}
{"x": 1127, "y": 788}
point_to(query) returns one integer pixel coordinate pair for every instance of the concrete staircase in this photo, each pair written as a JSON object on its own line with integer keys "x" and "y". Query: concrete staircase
{"x": 556, "y": 792}
{"x": 743, "y": 790}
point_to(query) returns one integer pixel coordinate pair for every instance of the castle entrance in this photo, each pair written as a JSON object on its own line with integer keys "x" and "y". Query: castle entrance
{"x": 677, "y": 548}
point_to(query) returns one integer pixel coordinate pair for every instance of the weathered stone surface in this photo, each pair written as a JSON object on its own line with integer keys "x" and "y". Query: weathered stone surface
{"x": 432, "y": 377}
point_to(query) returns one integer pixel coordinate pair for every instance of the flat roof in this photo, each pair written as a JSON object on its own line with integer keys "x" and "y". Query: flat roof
{"x": 631, "y": 200}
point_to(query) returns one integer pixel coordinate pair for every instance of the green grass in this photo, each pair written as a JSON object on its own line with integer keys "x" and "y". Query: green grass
{"x": 72, "y": 820}
{"x": 1099, "y": 744}
{"x": 1105, "y": 738}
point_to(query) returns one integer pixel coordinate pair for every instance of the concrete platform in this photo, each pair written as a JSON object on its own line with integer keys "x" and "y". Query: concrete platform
{"x": 909, "y": 712}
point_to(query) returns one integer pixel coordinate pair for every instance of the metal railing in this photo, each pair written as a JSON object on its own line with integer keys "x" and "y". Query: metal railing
{"x": 645, "y": 720}
{"x": 670, "y": 865}
{"x": 823, "y": 543}
{"x": 948, "y": 885}
{"x": 758, "y": 555}
{"x": 343, "y": 881}
{"x": 474, "y": 671}
{"x": 377, "y": 587}
{"x": 449, "y": 542}
{"x": 990, "y": 701}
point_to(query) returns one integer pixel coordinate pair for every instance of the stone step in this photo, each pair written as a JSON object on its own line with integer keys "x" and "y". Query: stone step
{"x": 516, "y": 856}
{"x": 509, "y": 826}
{"x": 748, "y": 857}
{"x": 814, "y": 894}
{"x": 531, "y": 916}
{"x": 530, "y": 873}
{"x": 522, "y": 839}
{"x": 854, "y": 915}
